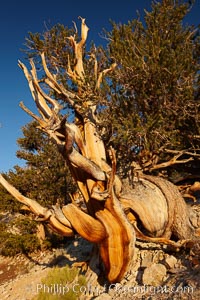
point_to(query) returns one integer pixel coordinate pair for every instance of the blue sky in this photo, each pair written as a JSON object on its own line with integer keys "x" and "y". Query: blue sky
{"x": 17, "y": 18}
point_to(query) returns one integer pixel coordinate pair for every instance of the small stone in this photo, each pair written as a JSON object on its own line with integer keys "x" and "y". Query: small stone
{"x": 170, "y": 262}
{"x": 75, "y": 243}
{"x": 158, "y": 256}
{"x": 154, "y": 275}
{"x": 147, "y": 260}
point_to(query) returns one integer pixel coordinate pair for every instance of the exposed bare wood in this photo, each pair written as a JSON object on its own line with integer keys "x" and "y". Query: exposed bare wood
{"x": 117, "y": 249}
{"x": 40, "y": 233}
{"x": 94, "y": 144}
{"x": 59, "y": 227}
{"x": 195, "y": 187}
{"x": 103, "y": 73}
{"x": 186, "y": 151}
{"x": 78, "y": 138}
{"x": 77, "y": 73}
{"x": 79, "y": 160}
{"x": 34, "y": 206}
{"x": 171, "y": 162}
{"x": 190, "y": 191}
{"x": 185, "y": 195}
{"x": 153, "y": 201}
{"x": 43, "y": 108}
{"x": 43, "y": 213}
{"x": 60, "y": 216}
{"x": 44, "y": 97}
{"x": 92, "y": 55}
{"x": 52, "y": 83}
{"x": 164, "y": 241}
{"x": 89, "y": 228}
{"x": 34, "y": 116}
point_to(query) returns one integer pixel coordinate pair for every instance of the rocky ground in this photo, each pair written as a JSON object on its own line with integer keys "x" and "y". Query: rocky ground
{"x": 157, "y": 272}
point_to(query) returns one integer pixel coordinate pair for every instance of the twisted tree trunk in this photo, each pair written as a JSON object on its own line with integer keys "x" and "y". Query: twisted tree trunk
{"x": 150, "y": 209}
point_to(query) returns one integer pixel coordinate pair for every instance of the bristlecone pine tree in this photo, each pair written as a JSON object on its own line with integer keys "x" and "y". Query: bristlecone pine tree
{"x": 114, "y": 208}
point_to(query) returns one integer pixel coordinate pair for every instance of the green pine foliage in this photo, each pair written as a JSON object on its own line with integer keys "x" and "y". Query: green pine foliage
{"x": 18, "y": 235}
{"x": 45, "y": 178}
{"x": 13, "y": 244}
{"x": 155, "y": 103}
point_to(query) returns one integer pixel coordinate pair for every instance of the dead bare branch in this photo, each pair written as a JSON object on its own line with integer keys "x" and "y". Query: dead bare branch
{"x": 103, "y": 73}
{"x": 77, "y": 74}
{"x": 174, "y": 160}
